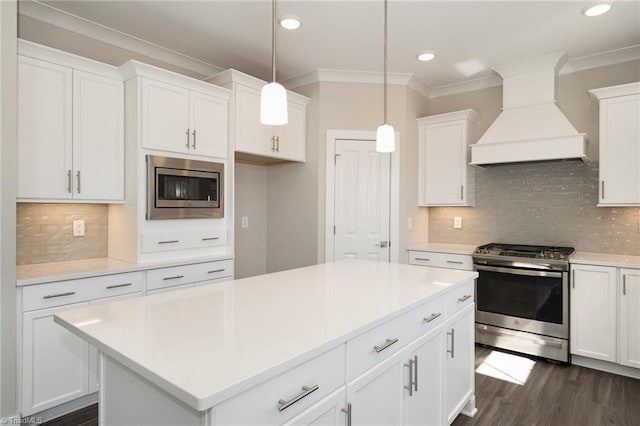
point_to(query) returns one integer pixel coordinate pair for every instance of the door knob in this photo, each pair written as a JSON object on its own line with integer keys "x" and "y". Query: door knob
{"x": 382, "y": 244}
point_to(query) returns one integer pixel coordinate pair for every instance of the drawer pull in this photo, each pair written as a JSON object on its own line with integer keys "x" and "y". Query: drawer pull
{"x": 432, "y": 317}
{"x": 453, "y": 342}
{"x": 51, "y": 296}
{"x": 175, "y": 277}
{"x": 215, "y": 271}
{"x": 306, "y": 391}
{"x": 347, "y": 411}
{"x": 413, "y": 375}
{"x": 109, "y": 287}
{"x": 210, "y": 238}
{"x": 424, "y": 259}
{"x": 464, "y": 298}
{"x": 386, "y": 344}
{"x": 169, "y": 242}
{"x": 455, "y": 262}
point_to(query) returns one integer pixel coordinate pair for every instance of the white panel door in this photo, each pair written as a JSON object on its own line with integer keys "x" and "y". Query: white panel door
{"x": 55, "y": 362}
{"x": 445, "y": 163}
{"x": 376, "y": 397}
{"x": 98, "y": 137}
{"x": 424, "y": 406}
{"x": 165, "y": 116}
{"x": 629, "y": 340}
{"x": 208, "y": 126}
{"x": 459, "y": 361}
{"x": 361, "y": 201}
{"x": 44, "y": 130}
{"x": 593, "y": 312}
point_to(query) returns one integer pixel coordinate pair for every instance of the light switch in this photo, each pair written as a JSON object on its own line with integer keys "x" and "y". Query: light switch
{"x": 78, "y": 228}
{"x": 245, "y": 221}
{"x": 457, "y": 222}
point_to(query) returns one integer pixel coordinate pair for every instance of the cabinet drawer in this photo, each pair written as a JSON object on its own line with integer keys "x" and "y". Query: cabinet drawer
{"x": 460, "y": 298}
{"x": 212, "y": 270}
{"x": 283, "y": 397}
{"x": 187, "y": 274}
{"x": 441, "y": 260}
{"x": 425, "y": 318}
{"x": 80, "y": 290}
{"x": 167, "y": 241}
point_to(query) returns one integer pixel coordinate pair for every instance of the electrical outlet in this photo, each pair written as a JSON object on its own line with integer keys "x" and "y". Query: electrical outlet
{"x": 245, "y": 221}
{"x": 78, "y": 228}
{"x": 457, "y": 222}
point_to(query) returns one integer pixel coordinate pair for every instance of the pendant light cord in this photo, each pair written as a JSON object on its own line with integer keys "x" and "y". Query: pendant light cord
{"x": 385, "y": 62}
{"x": 273, "y": 39}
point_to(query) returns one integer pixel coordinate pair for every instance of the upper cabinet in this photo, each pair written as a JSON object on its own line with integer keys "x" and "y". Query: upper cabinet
{"x": 70, "y": 127}
{"x": 180, "y": 114}
{"x": 619, "y": 144}
{"x": 254, "y": 141}
{"x": 445, "y": 177}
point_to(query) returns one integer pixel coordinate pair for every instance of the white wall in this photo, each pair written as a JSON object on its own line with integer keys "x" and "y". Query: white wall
{"x": 8, "y": 106}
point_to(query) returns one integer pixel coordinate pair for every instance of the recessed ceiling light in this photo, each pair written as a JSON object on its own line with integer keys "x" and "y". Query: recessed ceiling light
{"x": 597, "y": 10}
{"x": 426, "y": 56}
{"x": 290, "y": 22}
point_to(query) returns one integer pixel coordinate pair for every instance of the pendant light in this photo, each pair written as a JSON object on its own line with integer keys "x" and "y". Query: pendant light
{"x": 273, "y": 97}
{"x": 385, "y": 135}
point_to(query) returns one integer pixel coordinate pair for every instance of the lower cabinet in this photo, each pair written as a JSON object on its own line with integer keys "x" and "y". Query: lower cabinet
{"x": 629, "y": 314}
{"x": 460, "y": 359}
{"x": 425, "y": 401}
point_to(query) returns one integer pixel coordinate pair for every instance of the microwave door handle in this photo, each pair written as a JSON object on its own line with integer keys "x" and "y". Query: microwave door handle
{"x": 514, "y": 271}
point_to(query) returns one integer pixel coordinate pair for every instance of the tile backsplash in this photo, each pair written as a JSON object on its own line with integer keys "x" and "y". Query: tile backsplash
{"x": 540, "y": 203}
{"x": 45, "y": 232}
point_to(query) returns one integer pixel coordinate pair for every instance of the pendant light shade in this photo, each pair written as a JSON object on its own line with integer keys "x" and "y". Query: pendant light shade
{"x": 385, "y": 135}
{"x": 273, "y": 97}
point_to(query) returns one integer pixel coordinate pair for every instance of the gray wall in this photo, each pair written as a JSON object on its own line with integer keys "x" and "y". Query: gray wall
{"x": 544, "y": 202}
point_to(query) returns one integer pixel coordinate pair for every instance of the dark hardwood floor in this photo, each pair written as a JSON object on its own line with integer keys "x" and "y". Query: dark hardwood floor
{"x": 551, "y": 394}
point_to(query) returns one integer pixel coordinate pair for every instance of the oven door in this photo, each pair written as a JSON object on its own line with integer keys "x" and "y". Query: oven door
{"x": 523, "y": 299}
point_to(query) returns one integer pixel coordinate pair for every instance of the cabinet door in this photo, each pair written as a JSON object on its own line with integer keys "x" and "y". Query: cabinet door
{"x": 252, "y": 137}
{"x": 593, "y": 312}
{"x": 459, "y": 362}
{"x": 629, "y": 341}
{"x": 620, "y": 150}
{"x": 424, "y": 407}
{"x": 55, "y": 362}
{"x": 44, "y": 130}
{"x": 327, "y": 412}
{"x": 291, "y": 142}
{"x": 98, "y": 137}
{"x": 208, "y": 126}
{"x": 376, "y": 397}
{"x": 165, "y": 117}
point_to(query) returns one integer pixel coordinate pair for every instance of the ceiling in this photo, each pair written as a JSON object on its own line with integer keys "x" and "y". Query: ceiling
{"x": 469, "y": 37}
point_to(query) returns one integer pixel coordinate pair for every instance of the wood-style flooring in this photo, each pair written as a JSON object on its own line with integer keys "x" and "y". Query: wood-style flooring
{"x": 553, "y": 395}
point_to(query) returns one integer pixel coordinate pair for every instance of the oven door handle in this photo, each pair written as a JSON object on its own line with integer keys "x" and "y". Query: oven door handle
{"x": 515, "y": 271}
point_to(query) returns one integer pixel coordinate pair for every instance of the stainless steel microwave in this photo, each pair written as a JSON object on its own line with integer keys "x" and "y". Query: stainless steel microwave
{"x": 184, "y": 189}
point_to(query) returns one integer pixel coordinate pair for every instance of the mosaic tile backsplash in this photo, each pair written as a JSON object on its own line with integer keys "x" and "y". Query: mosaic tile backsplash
{"x": 540, "y": 203}
{"x": 45, "y": 232}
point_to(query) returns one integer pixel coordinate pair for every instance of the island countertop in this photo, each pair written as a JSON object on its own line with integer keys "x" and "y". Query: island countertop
{"x": 206, "y": 344}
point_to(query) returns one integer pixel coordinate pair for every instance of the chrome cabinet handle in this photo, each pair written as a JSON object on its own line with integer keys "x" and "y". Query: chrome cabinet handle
{"x": 464, "y": 298}
{"x": 78, "y": 176}
{"x": 306, "y": 391}
{"x": 277, "y": 143}
{"x": 194, "y": 139}
{"x": 410, "y": 387}
{"x": 462, "y": 192}
{"x": 423, "y": 259}
{"x": 51, "y": 296}
{"x": 187, "y": 133}
{"x": 210, "y": 238}
{"x": 386, "y": 344}
{"x": 602, "y": 184}
{"x": 347, "y": 411}
{"x": 109, "y": 287}
{"x": 215, "y": 271}
{"x": 273, "y": 144}
{"x": 169, "y": 242}
{"x": 573, "y": 278}
{"x": 432, "y": 317}
{"x": 624, "y": 284}
{"x": 453, "y": 340}
{"x": 69, "y": 181}
{"x": 413, "y": 375}
{"x": 455, "y": 262}
{"x": 175, "y": 277}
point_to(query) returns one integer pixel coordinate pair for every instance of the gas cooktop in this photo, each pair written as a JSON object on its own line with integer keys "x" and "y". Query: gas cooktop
{"x": 526, "y": 256}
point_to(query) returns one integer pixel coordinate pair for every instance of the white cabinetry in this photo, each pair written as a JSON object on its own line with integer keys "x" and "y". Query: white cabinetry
{"x": 254, "y": 141}
{"x": 425, "y": 407}
{"x": 70, "y": 127}
{"x": 593, "y": 312}
{"x": 178, "y": 277}
{"x": 444, "y": 175}
{"x": 460, "y": 358}
{"x": 56, "y": 366}
{"x": 330, "y": 411}
{"x": 441, "y": 260}
{"x": 629, "y": 338}
{"x": 619, "y": 144}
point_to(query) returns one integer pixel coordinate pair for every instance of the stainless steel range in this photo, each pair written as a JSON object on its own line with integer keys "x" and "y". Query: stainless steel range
{"x": 522, "y": 298}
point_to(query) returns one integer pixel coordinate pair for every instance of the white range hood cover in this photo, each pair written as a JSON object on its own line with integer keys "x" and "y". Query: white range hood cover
{"x": 530, "y": 127}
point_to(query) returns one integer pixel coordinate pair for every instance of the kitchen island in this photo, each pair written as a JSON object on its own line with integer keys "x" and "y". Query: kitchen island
{"x": 353, "y": 341}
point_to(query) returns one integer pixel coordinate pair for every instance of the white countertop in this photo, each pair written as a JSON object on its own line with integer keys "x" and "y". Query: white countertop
{"x": 443, "y": 248}
{"x": 59, "y": 271}
{"x": 601, "y": 259}
{"x": 206, "y": 344}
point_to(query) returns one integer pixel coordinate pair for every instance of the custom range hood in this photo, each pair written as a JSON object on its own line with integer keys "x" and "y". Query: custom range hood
{"x": 530, "y": 127}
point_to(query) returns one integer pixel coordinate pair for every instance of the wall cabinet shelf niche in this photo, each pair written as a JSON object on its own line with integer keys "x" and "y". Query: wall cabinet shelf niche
{"x": 444, "y": 175}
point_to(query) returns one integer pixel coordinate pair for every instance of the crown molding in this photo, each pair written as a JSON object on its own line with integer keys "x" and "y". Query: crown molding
{"x": 467, "y": 86}
{"x": 49, "y": 14}
{"x": 625, "y": 54}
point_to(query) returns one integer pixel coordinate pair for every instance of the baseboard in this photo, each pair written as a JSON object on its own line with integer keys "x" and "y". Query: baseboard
{"x": 66, "y": 408}
{"x": 606, "y": 366}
